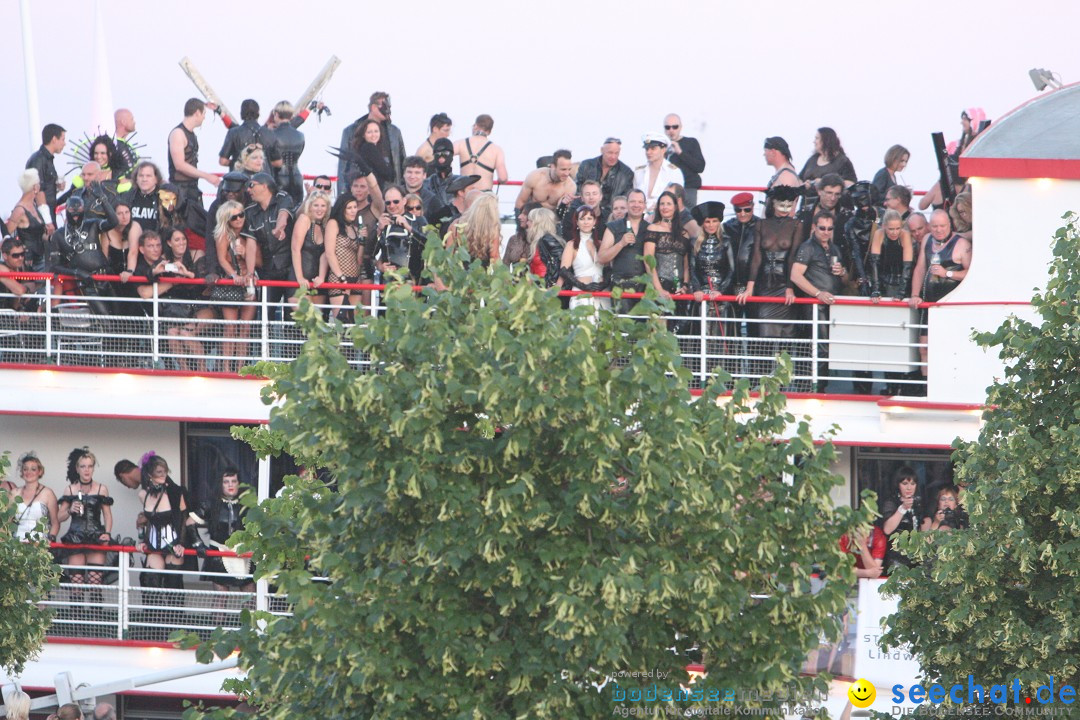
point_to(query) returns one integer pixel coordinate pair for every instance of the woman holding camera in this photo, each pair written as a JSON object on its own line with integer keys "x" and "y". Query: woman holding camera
{"x": 88, "y": 505}
{"x": 949, "y": 515}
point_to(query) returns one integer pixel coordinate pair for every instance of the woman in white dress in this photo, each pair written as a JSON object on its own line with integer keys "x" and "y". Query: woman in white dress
{"x": 580, "y": 269}
{"x": 38, "y": 501}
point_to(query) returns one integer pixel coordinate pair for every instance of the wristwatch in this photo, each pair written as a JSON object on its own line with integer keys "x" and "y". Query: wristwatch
{"x": 948, "y": 274}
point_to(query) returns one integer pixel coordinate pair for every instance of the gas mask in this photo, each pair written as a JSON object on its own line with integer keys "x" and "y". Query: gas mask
{"x": 76, "y": 209}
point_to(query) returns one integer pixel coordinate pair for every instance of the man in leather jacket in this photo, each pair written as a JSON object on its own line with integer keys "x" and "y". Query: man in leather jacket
{"x": 269, "y": 219}
{"x": 615, "y": 177}
{"x": 53, "y": 139}
{"x": 76, "y": 247}
{"x": 741, "y": 231}
{"x": 391, "y": 145}
{"x": 248, "y": 132}
{"x": 435, "y": 190}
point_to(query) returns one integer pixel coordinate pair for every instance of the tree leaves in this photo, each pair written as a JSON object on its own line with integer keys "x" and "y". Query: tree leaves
{"x": 28, "y": 576}
{"x": 999, "y": 599}
{"x": 524, "y": 502}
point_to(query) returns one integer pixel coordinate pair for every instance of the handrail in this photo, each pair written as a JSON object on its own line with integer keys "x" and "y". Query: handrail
{"x": 706, "y": 297}
{"x": 518, "y": 183}
{"x": 135, "y": 549}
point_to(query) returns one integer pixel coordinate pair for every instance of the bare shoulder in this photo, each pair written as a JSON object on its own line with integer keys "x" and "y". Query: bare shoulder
{"x": 535, "y": 176}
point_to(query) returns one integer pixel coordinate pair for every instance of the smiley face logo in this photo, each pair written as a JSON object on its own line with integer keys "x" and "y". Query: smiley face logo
{"x": 861, "y": 693}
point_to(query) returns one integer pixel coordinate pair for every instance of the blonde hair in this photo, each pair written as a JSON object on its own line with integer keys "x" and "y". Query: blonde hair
{"x": 310, "y": 200}
{"x": 541, "y": 223}
{"x": 284, "y": 110}
{"x": 247, "y": 154}
{"x": 960, "y": 224}
{"x": 29, "y": 179}
{"x": 481, "y": 227}
{"x": 891, "y": 215}
{"x": 18, "y": 705}
{"x": 221, "y": 219}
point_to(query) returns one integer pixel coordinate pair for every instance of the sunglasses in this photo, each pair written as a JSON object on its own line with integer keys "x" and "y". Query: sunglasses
{"x": 744, "y": 210}
{"x": 17, "y": 255}
{"x": 394, "y": 202}
{"x": 671, "y": 127}
{"x": 325, "y": 188}
{"x": 237, "y": 216}
{"x": 824, "y": 229}
{"x": 414, "y": 208}
{"x": 615, "y": 140}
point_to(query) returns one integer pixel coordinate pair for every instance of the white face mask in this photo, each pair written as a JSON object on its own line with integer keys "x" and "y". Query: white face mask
{"x": 784, "y": 206}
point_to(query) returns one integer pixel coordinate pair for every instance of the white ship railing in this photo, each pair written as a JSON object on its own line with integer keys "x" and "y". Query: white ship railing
{"x": 132, "y": 605}
{"x": 855, "y": 346}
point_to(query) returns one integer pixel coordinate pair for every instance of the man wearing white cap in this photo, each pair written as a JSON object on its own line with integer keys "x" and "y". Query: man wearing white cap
{"x": 652, "y": 177}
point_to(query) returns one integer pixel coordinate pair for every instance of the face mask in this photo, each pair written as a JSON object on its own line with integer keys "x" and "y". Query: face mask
{"x": 168, "y": 200}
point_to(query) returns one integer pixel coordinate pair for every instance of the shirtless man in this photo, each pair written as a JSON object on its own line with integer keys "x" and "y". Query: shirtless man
{"x": 439, "y": 127}
{"x": 480, "y": 156}
{"x": 550, "y": 186}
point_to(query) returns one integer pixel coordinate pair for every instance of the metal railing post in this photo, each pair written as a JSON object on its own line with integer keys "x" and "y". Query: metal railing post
{"x": 703, "y": 334}
{"x": 49, "y": 320}
{"x": 262, "y": 587}
{"x": 264, "y": 311}
{"x": 814, "y": 347}
{"x": 155, "y": 338}
{"x": 122, "y": 602}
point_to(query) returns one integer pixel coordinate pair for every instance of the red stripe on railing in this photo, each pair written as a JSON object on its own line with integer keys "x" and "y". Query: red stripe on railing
{"x": 706, "y": 297}
{"x": 518, "y": 183}
{"x": 135, "y": 549}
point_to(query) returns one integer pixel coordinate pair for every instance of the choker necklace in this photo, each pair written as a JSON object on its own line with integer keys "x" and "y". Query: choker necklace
{"x": 86, "y": 483}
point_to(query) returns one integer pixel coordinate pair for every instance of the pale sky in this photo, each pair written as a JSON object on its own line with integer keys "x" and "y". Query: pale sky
{"x": 553, "y": 74}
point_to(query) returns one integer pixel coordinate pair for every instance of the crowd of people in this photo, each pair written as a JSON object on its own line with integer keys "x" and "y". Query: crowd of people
{"x": 585, "y": 226}
{"x": 166, "y": 525}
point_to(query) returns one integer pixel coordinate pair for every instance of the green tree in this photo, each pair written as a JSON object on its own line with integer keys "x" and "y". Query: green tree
{"x": 1001, "y": 600}
{"x": 27, "y": 574}
{"x": 485, "y": 559}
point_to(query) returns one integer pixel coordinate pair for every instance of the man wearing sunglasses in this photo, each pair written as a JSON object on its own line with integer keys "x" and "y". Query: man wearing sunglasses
{"x": 615, "y": 177}
{"x": 818, "y": 273}
{"x": 268, "y": 219}
{"x": 14, "y": 260}
{"x": 685, "y": 154}
{"x": 741, "y": 232}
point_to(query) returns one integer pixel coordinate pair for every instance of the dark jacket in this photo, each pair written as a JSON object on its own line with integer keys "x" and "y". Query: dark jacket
{"x": 391, "y": 144}
{"x": 690, "y": 161}
{"x": 619, "y": 180}
{"x": 742, "y": 237}
{"x": 42, "y": 161}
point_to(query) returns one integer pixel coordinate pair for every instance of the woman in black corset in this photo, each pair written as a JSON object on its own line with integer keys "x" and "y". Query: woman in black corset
{"x": 309, "y": 263}
{"x": 165, "y": 508}
{"x": 713, "y": 273}
{"x": 87, "y": 503}
{"x": 667, "y": 241}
